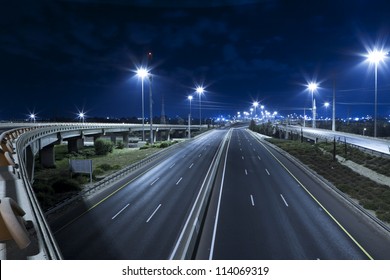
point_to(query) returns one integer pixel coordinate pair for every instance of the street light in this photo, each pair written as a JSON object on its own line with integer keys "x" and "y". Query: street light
{"x": 142, "y": 73}
{"x": 190, "y": 97}
{"x": 312, "y": 87}
{"x": 199, "y": 91}
{"x": 33, "y": 117}
{"x": 81, "y": 116}
{"x": 375, "y": 57}
{"x": 255, "y": 105}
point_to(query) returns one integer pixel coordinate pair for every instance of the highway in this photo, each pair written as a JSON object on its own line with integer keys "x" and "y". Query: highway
{"x": 265, "y": 207}
{"x": 143, "y": 217}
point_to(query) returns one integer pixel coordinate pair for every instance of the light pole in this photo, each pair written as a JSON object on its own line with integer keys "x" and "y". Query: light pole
{"x": 326, "y": 104}
{"x": 199, "y": 91}
{"x": 312, "y": 87}
{"x": 82, "y": 116}
{"x": 33, "y": 117}
{"x": 375, "y": 57}
{"x": 255, "y": 105}
{"x": 142, "y": 73}
{"x": 190, "y": 97}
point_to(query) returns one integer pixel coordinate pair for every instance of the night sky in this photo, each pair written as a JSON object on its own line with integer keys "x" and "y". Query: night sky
{"x": 59, "y": 57}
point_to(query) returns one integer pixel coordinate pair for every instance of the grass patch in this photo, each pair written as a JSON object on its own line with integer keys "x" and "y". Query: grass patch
{"x": 52, "y": 185}
{"x": 370, "y": 195}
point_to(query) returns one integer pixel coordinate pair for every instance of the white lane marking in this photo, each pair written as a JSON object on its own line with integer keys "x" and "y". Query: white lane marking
{"x": 254, "y": 149}
{"x": 151, "y": 216}
{"x": 219, "y": 204}
{"x": 266, "y": 170}
{"x": 246, "y": 172}
{"x": 259, "y": 157}
{"x": 172, "y": 165}
{"x": 155, "y": 181}
{"x": 120, "y": 211}
{"x": 181, "y": 178}
{"x": 285, "y": 202}
{"x": 253, "y": 202}
{"x": 200, "y": 155}
{"x": 192, "y": 164}
{"x": 242, "y": 157}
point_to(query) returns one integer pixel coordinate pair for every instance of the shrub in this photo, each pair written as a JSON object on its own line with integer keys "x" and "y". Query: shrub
{"x": 164, "y": 145}
{"x": 97, "y": 172}
{"x": 120, "y": 145}
{"x": 103, "y": 147}
{"x": 144, "y": 147}
{"x": 105, "y": 166}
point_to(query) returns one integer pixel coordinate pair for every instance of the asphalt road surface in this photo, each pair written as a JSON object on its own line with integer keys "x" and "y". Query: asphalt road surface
{"x": 266, "y": 207}
{"x": 142, "y": 218}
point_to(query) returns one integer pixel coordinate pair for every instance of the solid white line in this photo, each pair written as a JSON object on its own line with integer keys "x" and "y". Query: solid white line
{"x": 172, "y": 165}
{"x": 120, "y": 211}
{"x": 285, "y": 202}
{"x": 151, "y": 216}
{"x": 246, "y": 172}
{"x": 219, "y": 205}
{"x": 192, "y": 164}
{"x": 266, "y": 170}
{"x": 155, "y": 181}
{"x": 253, "y": 202}
{"x": 179, "y": 180}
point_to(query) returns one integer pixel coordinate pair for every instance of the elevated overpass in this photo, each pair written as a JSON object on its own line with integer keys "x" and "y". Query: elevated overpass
{"x": 24, "y": 232}
{"x": 374, "y": 145}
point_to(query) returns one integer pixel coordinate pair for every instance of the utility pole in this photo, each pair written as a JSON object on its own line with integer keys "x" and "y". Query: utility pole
{"x": 334, "y": 106}
{"x": 150, "y": 100}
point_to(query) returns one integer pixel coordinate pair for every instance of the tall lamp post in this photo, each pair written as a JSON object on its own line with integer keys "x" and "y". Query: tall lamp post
{"x": 255, "y": 105}
{"x": 375, "y": 57}
{"x": 199, "y": 91}
{"x": 142, "y": 73}
{"x": 81, "y": 116}
{"x": 33, "y": 117}
{"x": 190, "y": 97}
{"x": 312, "y": 87}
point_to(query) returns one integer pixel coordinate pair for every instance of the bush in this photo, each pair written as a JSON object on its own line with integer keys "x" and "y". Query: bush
{"x": 103, "y": 147}
{"x": 164, "y": 145}
{"x": 97, "y": 172}
{"x": 144, "y": 147}
{"x": 120, "y": 145}
{"x": 105, "y": 166}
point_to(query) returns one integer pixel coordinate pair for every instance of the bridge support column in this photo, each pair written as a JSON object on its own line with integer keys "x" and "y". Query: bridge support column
{"x": 125, "y": 137}
{"x": 29, "y": 160}
{"x": 113, "y": 138}
{"x": 46, "y": 156}
{"x": 155, "y": 136}
{"x": 75, "y": 144}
